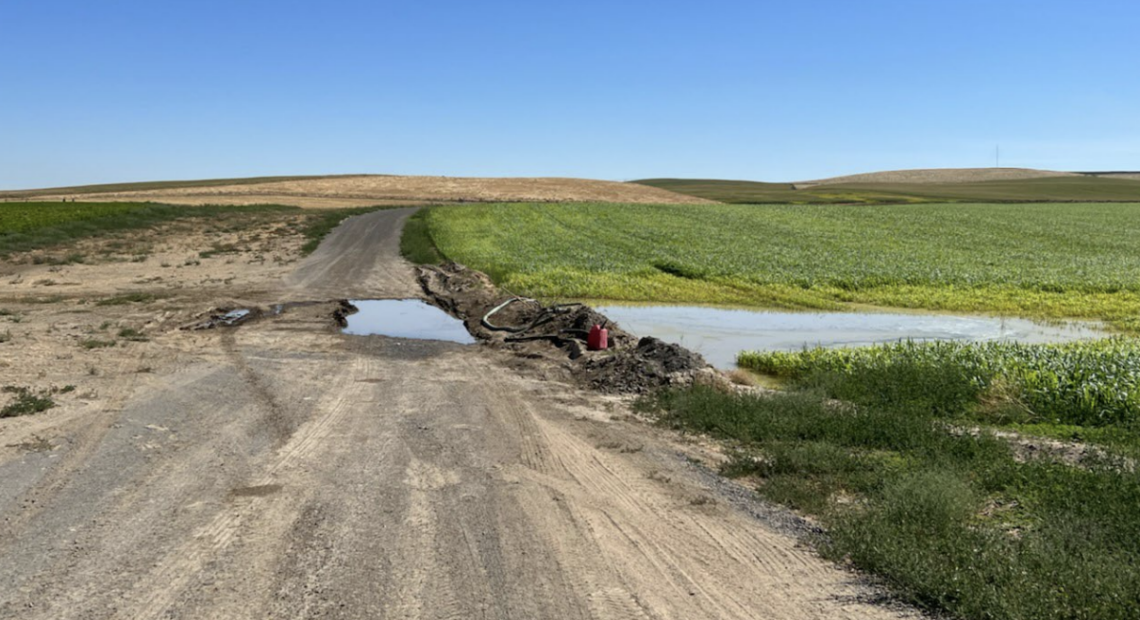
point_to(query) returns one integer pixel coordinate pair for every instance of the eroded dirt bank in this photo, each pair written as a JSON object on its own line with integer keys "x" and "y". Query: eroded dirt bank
{"x": 282, "y": 469}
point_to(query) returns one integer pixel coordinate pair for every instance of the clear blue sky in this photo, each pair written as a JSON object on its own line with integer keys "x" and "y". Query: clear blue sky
{"x": 120, "y": 90}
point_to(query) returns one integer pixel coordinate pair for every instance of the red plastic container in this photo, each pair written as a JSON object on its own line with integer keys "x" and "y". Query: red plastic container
{"x": 598, "y": 339}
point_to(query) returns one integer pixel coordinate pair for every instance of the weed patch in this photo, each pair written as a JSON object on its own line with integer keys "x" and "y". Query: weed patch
{"x": 416, "y": 244}
{"x": 132, "y": 334}
{"x": 26, "y": 402}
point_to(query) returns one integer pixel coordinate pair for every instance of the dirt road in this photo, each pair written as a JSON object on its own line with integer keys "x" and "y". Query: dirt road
{"x": 358, "y": 261}
{"x": 284, "y": 470}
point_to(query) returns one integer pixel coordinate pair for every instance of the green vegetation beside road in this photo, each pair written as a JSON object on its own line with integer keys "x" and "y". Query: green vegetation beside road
{"x": 1048, "y": 189}
{"x": 1037, "y": 260}
{"x": 31, "y": 225}
{"x": 1094, "y": 384}
{"x": 416, "y": 244}
{"x": 952, "y": 520}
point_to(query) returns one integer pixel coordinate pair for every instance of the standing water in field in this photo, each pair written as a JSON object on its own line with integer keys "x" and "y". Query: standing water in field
{"x": 405, "y": 318}
{"x": 720, "y": 334}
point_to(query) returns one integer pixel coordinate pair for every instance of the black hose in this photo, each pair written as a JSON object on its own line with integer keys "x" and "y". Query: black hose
{"x": 546, "y": 315}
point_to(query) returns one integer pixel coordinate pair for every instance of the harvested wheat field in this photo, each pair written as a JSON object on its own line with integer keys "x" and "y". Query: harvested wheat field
{"x": 342, "y": 191}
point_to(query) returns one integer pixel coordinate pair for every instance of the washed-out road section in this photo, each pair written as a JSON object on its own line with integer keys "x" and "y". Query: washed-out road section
{"x": 284, "y": 470}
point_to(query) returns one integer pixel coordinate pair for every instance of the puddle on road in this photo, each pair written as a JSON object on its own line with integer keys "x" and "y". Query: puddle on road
{"x": 405, "y": 318}
{"x": 719, "y": 334}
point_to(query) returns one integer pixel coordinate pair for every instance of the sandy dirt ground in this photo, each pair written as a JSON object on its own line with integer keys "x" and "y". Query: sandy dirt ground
{"x": 283, "y": 469}
{"x": 344, "y": 191}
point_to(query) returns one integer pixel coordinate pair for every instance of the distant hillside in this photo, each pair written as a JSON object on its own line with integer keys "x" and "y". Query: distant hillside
{"x": 1116, "y": 174}
{"x": 940, "y": 175}
{"x": 1048, "y": 187}
{"x": 104, "y": 188}
{"x": 351, "y": 190}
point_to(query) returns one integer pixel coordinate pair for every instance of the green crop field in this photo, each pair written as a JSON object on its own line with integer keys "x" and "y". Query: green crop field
{"x": 1039, "y": 260}
{"x": 1060, "y": 189}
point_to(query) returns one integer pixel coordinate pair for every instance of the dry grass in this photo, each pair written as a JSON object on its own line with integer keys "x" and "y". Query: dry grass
{"x": 353, "y": 190}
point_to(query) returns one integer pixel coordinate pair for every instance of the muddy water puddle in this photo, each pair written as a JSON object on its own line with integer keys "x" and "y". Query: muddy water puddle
{"x": 405, "y": 318}
{"x": 719, "y": 334}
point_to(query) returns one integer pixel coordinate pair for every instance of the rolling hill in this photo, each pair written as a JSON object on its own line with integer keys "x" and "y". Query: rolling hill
{"x": 917, "y": 186}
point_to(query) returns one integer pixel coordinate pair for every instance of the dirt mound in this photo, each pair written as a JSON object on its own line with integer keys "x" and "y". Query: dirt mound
{"x": 330, "y": 191}
{"x": 649, "y": 365}
{"x": 558, "y": 333}
{"x": 521, "y": 324}
{"x": 939, "y": 175}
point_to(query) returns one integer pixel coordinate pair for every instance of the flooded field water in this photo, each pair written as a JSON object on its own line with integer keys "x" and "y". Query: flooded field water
{"x": 719, "y": 334}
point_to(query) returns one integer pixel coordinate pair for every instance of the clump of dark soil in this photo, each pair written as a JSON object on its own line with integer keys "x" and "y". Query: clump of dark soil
{"x": 650, "y": 365}
{"x": 342, "y": 311}
{"x": 558, "y": 333}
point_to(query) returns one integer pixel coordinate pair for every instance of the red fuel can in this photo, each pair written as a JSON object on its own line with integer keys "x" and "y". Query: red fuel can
{"x": 598, "y": 339}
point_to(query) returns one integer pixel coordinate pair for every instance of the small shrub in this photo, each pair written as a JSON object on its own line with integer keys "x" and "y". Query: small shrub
{"x": 133, "y": 335}
{"x": 26, "y": 402}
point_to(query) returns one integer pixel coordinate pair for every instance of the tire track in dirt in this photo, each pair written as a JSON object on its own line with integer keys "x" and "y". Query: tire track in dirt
{"x": 184, "y": 565}
{"x": 272, "y": 411}
{"x": 668, "y": 551}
